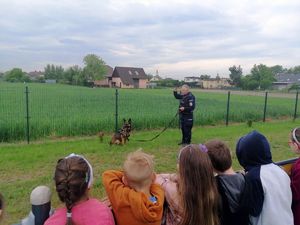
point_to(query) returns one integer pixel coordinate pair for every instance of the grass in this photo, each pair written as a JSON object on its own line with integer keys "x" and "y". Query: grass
{"x": 62, "y": 110}
{"x": 23, "y": 166}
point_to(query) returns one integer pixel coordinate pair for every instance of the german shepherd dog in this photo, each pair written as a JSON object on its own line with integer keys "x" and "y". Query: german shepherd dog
{"x": 122, "y": 135}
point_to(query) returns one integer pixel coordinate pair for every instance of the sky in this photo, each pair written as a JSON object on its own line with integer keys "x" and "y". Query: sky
{"x": 176, "y": 37}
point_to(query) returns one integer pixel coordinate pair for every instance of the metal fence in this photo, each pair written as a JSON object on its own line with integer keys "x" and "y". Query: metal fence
{"x": 32, "y": 112}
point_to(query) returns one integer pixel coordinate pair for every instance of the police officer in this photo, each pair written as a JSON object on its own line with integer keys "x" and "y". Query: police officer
{"x": 186, "y": 108}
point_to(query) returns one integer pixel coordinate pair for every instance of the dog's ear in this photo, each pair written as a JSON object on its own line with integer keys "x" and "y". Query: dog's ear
{"x": 124, "y": 120}
{"x": 129, "y": 121}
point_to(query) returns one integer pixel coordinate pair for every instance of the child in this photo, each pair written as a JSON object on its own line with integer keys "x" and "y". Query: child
{"x": 1, "y": 206}
{"x": 40, "y": 200}
{"x": 192, "y": 195}
{"x": 267, "y": 189}
{"x": 295, "y": 175}
{"x": 135, "y": 199}
{"x": 230, "y": 184}
{"x": 73, "y": 179}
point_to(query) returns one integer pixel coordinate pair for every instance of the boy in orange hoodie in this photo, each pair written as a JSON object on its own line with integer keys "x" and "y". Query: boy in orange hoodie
{"x": 135, "y": 199}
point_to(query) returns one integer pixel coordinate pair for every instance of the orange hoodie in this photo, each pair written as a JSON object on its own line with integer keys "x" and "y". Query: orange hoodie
{"x": 131, "y": 207}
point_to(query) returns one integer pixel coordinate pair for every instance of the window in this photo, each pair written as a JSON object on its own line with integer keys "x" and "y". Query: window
{"x": 130, "y": 73}
{"x": 137, "y": 73}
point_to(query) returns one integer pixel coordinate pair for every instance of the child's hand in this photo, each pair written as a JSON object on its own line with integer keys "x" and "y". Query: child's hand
{"x": 106, "y": 202}
{"x": 124, "y": 181}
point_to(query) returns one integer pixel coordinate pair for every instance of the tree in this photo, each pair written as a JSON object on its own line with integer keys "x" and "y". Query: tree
{"x": 204, "y": 77}
{"x": 263, "y": 75}
{"x": 277, "y": 69}
{"x": 294, "y": 70}
{"x": 53, "y": 72}
{"x": 16, "y": 75}
{"x": 73, "y": 75}
{"x": 236, "y": 75}
{"x": 94, "y": 69}
{"x": 248, "y": 83}
{"x": 149, "y": 76}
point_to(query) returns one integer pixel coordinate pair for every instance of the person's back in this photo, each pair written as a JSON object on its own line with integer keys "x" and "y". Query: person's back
{"x": 73, "y": 180}
{"x": 277, "y": 197}
{"x": 295, "y": 185}
{"x": 267, "y": 191}
{"x": 135, "y": 199}
{"x": 1, "y": 206}
{"x": 90, "y": 212}
{"x": 231, "y": 189}
{"x": 230, "y": 185}
{"x": 294, "y": 143}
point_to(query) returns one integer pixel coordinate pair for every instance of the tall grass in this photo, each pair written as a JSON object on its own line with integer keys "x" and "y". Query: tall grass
{"x": 61, "y": 110}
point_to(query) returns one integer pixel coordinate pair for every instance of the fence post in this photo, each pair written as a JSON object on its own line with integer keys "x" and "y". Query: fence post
{"x": 265, "y": 107}
{"x": 27, "y": 114}
{"x": 116, "y": 122}
{"x": 227, "y": 114}
{"x": 296, "y": 106}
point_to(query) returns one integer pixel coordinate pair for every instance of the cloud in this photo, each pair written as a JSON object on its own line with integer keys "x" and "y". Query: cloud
{"x": 177, "y": 37}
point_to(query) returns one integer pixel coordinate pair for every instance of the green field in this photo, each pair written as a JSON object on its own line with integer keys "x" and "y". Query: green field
{"x": 62, "y": 110}
{"x": 23, "y": 166}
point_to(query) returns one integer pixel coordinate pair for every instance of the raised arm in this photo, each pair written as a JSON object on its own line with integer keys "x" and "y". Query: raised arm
{"x": 176, "y": 95}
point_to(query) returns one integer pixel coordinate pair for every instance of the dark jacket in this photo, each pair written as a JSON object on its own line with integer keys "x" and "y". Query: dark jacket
{"x": 231, "y": 189}
{"x": 187, "y": 101}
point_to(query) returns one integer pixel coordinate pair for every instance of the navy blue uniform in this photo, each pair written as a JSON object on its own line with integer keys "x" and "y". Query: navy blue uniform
{"x": 186, "y": 116}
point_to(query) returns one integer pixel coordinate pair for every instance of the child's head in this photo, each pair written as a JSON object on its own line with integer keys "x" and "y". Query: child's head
{"x": 253, "y": 150}
{"x": 139, "y": 170}
{"x": 197, "y": 186}
{"x": 73, "y": 177}
{"x": 294, "y": 141}
{"x": 219, "y": 155}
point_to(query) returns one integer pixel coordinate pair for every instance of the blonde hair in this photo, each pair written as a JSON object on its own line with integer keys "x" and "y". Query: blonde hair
{"x": 139, "y": 167}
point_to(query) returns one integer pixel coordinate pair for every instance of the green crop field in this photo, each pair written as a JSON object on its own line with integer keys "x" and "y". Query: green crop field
{"x": 62, "y": 110}
{"x": 23, "y": 167}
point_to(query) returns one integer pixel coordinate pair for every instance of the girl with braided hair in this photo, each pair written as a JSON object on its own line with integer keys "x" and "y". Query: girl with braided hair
{"x": 73, "y": 179}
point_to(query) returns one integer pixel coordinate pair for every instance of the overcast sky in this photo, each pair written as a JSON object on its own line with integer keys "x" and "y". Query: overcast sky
{"x": 176, "y": 37}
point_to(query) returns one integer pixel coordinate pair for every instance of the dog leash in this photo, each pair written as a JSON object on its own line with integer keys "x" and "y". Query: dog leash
{"x": 166, "y": 127}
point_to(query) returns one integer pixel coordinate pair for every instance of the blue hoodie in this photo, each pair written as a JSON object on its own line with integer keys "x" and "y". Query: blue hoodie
{"x": 267, "y": 186}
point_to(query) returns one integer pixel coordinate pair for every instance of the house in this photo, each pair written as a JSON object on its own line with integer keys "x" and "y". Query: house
{"x": 35, "y": 75}
{"x": 128, "y": 77}
{"x": 215, "y": 83}
{"x": 104, "y": 82}
{"x": 285, "y": 80}
{"x": 191, "y": 79}
{"x": 156, "y": 78}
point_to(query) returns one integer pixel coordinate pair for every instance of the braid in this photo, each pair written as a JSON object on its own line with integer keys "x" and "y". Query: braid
{"x": 71, "y": 182}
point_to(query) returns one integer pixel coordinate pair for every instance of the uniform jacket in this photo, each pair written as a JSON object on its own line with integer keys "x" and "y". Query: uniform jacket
{"x": 187, "y": 101}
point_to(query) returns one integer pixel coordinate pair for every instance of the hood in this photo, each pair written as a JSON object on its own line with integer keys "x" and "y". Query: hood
{"x": 253, "y": 150}
{"x": 233, "y": 187}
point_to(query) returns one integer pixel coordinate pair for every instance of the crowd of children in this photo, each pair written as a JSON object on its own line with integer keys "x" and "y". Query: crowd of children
{"x": 205, "y": 190}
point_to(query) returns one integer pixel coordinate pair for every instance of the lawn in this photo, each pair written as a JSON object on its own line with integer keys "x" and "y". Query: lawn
{"x": 64, "y": 110}
{"x": 23, "y": 166}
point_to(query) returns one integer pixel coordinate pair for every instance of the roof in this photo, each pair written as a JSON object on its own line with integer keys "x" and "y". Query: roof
{"x": 287, "y": 78}
{"x": 191, "y": 77}
{"x": 128, "y": 74}
{"x": 36, "y": 73}
{"x": 109, "y": 71}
